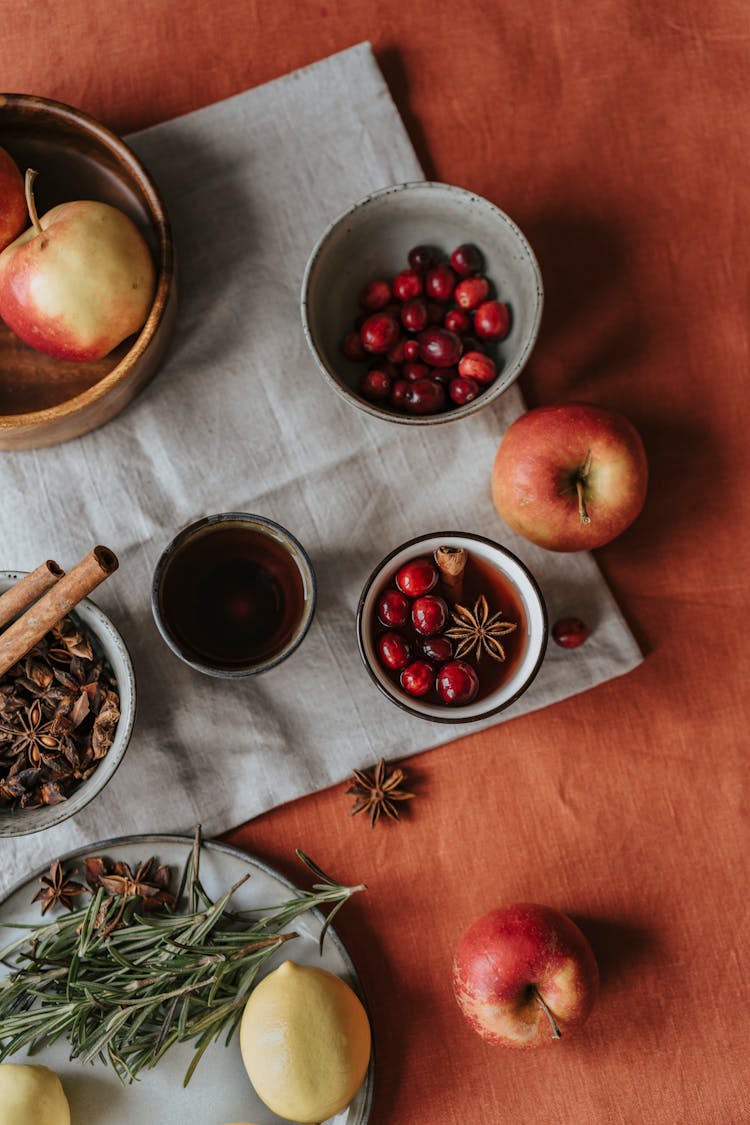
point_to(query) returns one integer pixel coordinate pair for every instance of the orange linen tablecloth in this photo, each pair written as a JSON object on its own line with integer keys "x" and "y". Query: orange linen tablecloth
{"x": 615, "y": 134}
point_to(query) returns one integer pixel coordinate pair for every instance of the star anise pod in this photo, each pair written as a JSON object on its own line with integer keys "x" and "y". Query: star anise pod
{"x": 58, "y": 887}
{"x": 149, "y": 882}
{"x": 31, "y": 734}
{"x": 378, "y": 791}
{"x": 475, "y": 629}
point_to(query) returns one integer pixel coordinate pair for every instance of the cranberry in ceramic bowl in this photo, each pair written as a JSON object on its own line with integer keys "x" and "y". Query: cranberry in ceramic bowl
{"x": 432, "y": 257}
{"x": 452, "y": 627}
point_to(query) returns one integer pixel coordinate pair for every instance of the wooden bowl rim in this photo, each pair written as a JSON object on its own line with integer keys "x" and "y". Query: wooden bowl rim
{"x": 127, "y": 158}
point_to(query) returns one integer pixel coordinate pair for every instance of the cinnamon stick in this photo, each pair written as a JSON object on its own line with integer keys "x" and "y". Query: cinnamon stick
{"x": 20, "y": 637}
{"x": 451, "y": 563}
{"x": 28, "y": 589}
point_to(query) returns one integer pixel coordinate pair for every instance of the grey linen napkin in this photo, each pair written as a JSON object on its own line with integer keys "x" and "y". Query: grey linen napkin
{"x": 239, "y": 419}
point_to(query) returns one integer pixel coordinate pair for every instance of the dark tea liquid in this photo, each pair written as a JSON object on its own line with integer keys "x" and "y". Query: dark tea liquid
{"x": 232, "y": 596}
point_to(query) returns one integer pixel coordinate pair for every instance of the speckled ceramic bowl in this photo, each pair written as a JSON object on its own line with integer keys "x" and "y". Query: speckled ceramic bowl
{"x": 106, "y": 639}
{"x": 372, "y": 239}
{"x": 531, "y": 639}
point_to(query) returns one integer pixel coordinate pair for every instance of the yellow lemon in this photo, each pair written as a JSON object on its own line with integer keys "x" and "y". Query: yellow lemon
{"x": 31, "y": 1095}
{"x": 305, "y": 1041}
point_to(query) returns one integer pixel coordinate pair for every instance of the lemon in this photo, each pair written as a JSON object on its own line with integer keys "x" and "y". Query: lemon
{"x": 31, "y": 1095}
{"x": 305, "y": 1041}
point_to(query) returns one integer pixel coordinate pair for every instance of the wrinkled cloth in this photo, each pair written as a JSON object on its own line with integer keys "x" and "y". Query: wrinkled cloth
{"x": 239, "y": 419}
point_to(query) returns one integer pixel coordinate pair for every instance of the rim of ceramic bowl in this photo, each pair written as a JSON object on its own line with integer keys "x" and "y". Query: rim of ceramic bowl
{"x": 304, "y": 565}
{"x": 508, "y": 376}
{"x": 97, "y": 623}
{"x": 165, "y": 264}
{"x": 458, "y": 714}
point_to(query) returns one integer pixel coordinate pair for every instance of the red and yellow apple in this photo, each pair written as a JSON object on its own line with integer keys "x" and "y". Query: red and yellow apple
{"x": 78, "y": 281}
{"x": 570, "y": 477}
{"x": 13, "y": 216}
{"x": 524, "y": 975}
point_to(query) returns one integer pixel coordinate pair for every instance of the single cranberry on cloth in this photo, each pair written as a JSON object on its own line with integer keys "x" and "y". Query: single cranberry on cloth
{"x": 239, "y": 420}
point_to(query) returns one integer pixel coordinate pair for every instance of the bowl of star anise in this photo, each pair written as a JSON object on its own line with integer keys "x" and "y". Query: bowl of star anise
{"x": 66, "y": 715}
{"x": 452, "y": 627}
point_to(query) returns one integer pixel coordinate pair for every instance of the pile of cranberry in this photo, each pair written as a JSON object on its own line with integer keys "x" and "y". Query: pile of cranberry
{"x": 413, "y": 648}
{"x": 426, "y": 333}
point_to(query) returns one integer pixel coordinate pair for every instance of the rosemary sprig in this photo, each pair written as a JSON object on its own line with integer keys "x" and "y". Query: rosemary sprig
{"x": 124, "y": 987}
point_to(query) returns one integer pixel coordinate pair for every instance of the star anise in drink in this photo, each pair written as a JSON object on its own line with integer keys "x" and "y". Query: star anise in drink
{"x": 58, "y": 887}
{"x": 378, "y": 791}
{"x": 475, "y": 630}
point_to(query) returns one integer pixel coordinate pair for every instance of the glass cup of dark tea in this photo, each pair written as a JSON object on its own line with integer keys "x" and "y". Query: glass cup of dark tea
{"x": 233, "y": 594}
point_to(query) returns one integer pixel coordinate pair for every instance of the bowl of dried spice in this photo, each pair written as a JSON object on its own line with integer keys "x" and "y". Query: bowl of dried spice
{"x": 67, "y": 709}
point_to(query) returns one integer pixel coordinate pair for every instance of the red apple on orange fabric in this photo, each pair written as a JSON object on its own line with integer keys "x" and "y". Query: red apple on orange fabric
{"x": 524, "y": 975}
{"x": 570, "y": 477}
{"x": 13, "y": 216}
{"x": 78, "y": 281}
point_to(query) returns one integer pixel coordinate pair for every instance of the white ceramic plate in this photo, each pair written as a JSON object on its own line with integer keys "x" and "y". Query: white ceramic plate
{"x": 219, "y": 1091}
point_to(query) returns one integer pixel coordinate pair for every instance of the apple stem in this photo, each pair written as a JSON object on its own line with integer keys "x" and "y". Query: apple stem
{"x": 31, "y": 175}
{"x": 556, "y": 1033}
{"x": 580, "y": 482}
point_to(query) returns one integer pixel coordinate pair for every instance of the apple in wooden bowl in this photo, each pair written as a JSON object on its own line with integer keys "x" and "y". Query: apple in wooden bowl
{"x": 45, "y": 399}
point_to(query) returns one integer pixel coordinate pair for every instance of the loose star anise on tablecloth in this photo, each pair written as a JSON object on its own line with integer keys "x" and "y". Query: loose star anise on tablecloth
{"x": 59, "y": 709}
{"x": 378, "y": 791}
{"x": 475, "y": 629}
{"x": 58, "y": 887}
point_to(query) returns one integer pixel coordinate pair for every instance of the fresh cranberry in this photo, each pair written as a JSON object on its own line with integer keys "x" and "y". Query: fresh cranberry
{"x": 375, "y": 295}
{"x": 466, "y": 260}
{"x": 397, "y": 397}
{"x": 472, "y": 344}
{"x": 457, "y": 321}
{"x": 379, "y": 332}
{"x": 462, "y": 390}
{"x": 417, "y": 678}
{"x": 417, "y": 577}
{"x": 438, "y": 649}
{"x": 414, "y": 314}
{"x": 457, "y": 683}
{"x": 439, "y": 347}
{"x": 421, "y": 258}
{"x": 407, "y": 284}
{"x": 470, "y": 292}
{"x": 375, "y": 385}
{"x": 414, "y": 371}
{"x": 440, "y": 282}
{"x": 442, "y": 375}
{"x": 396, "y": 353}
{"x": 424, "y": 397}
{"x": 570, "y": 632}
{"x": 352, "y": 347}
{"x": 492, "y": 320}
{"x": 429, "y": 615}
{"x": 394, "y": 651}
{"x": 476, "y": 365}
{"x": 435, "y": 312}
{"x": 393, "y": 609}
{"x": 411, "y": 350}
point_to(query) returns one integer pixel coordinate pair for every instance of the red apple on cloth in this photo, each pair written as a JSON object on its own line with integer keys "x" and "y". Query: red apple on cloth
{"x": 524, "y": 975}
{"x": 570, "y": 477}
{"x": 12, "y": 201}
{"x": 78, "y": 281}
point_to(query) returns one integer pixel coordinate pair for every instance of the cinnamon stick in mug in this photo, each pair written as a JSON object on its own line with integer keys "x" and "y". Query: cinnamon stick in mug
{"x": 20, "y": 637}
{"x": 28, "y": 589}
{"x": 452, "y": 564}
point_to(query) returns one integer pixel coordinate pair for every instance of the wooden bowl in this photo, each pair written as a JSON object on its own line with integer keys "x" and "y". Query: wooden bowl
{"x": 44, "y": 400}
